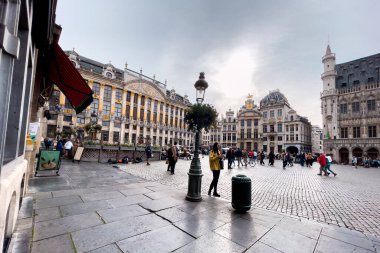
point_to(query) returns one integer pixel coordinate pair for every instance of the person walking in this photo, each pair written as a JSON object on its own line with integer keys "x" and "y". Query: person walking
{"x": 69, "y": 149}
{"x": 148, "y": 152}
{"x": 355, "y": 161}
{"x": 271, "y": 158}
{"x": 245, "y": 157}
{"x": 262, "y": 156}
{"x": 214, "y": 158}
{"x": 322, "y": 164}
{"x": 173, "y": 157}
{"x": 239, "y": 155}
{"x": 233, "y": 157}
{"x": 229, "y": 158}
{"x": 284, "y": 160}
{"x": 328, "y": 164}
{"x": 289, "y": 159}
{"x": 309, "y": 159}
{"x": 302, "y": 159}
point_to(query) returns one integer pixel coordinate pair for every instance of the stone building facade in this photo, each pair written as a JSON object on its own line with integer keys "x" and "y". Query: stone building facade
{"x": 274, "y": 126}
{"x": 317, "y": 140}
{"x": 350, "y": 105}
{"x": 229, "y": 127}
{"x": 131, "y": 107}
{"x": 248, "y": 128}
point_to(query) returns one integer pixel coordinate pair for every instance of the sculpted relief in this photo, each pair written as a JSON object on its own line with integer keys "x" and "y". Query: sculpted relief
{"x": 144, "y": 89}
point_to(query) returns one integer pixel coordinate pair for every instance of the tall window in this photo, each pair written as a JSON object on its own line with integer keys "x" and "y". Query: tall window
{"x": 106, "y": 108}
{"x": 128, "y": 96}
{"x": 343, "y": 108}
{"x": 372, "y": 131}
{"x": 80, "y": 120}
{"x": 265, "y": 115}
{"x": 127, "y": 111}
{"x": 96, "y": 88}
{"x": 356, "y": 132}
{"x": 115, "y": 137}
{"x": 142, "y": 102}
{"x": 255, "y": 133}
{"x": 119, "y": 94}
{"x": 135, "y": 99}
{"x": 107, "y": 93}
{"x": 148, "y": 116}
{"x": 249, "y": 132}
{"x": 149, "y": 103}
{"x": 255, "y": 122}
{"x": 271, "y": 113}
{"x": 95, "y": 105}
{"x": 355, "y": 107}
{"x": 105, "y": 135}
{"x": 155, "y": 105}
{"x": 118, "y": 110}
{"x": 135, "y": 113}
{"x": 344, "y": 133}
{"x": 249, "y": 123}
{"x": 242, "y": 123}
{"x": 265, "y": 129}
{"x": 141, "y": 114}
{"x": 242, "y": 134}
{"x": 279, "y": 112}
{"x": 371, "y": 105}
{"x": 279, "y": 127}
{"x": 271, "y": 128}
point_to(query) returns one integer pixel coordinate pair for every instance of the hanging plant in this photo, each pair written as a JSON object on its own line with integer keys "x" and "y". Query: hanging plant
{"x": 200, "y": 116}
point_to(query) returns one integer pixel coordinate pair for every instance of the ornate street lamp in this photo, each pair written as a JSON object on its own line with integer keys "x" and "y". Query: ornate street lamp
{"x": 195, "y": 172}
{"x": 201, "y": 86}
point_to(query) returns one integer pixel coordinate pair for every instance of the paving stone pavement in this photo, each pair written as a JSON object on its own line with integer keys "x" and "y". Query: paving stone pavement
{"x": 95, "y": 207}
{"x": 350, "y": 200}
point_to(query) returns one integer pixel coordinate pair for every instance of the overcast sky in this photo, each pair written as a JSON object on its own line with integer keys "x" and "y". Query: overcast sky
{"x": 243, "y": 46}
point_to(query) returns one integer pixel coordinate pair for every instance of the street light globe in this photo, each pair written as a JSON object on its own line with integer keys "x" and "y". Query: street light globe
{"x": 201, "y": 86}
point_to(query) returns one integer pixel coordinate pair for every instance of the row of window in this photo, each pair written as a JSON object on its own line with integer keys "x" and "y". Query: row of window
{"x": 356, "y": 132}
{"x": 119, "y": 96}
{"x": 272, "y": 113}
{"x": 229, "y": 128}
{"x": 249, "y": 122}
{"x": 355, "y": 107}
{"x": 154, "y": 141}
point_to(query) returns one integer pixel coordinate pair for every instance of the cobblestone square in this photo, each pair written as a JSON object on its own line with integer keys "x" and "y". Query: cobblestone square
{"x": 350, "y": 200}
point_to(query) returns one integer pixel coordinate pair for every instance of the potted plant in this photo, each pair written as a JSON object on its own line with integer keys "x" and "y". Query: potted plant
{"x": 127, "y": 146}
{"x": 92, "y": 130}
{"x": 94, "y": 144}
{"x": 111, "y": 146}
{"x": 200, "y": 116}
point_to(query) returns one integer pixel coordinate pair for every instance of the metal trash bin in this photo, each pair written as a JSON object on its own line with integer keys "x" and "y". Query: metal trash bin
{"x": 241, "y": 193}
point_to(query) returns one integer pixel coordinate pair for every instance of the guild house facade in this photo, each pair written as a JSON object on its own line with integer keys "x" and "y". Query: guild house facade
{"x": 131, "y": 107}
{"x": 350, "y": 105}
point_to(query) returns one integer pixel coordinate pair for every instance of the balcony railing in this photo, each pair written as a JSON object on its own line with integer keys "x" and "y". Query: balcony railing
{"x": 373, "y": 141}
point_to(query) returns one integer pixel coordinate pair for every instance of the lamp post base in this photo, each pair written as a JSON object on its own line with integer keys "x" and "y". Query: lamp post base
{"x": 195, "y": 181}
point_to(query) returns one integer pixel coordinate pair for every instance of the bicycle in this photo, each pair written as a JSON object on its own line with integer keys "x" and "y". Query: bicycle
{"x": 252, "y": 162}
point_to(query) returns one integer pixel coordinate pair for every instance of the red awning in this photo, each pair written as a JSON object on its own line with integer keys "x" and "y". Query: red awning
{"x": 63, "y": 74}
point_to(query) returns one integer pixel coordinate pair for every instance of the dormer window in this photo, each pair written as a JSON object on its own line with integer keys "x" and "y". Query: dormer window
{"x": 109, "y": 74}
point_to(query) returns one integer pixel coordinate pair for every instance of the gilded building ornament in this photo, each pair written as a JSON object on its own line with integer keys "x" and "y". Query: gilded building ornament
{"x": 146, "y": 89}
